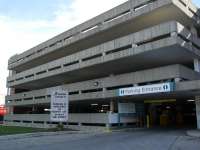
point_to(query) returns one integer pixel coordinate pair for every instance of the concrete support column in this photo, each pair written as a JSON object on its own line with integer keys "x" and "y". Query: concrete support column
{"x": 193, "y": 30}
{"x": 174, "y": 34}
{"x": 11, "y": 91}
{"x": 112, "y": 106}
{"x": 108, "y": 125}
{"x": 8, "y": 91}
{"x": 132, "y": 10}
{"x": 33, "y": 108}
{"x": 12, "y": 72}
{"x": 177, "y": 80}
{"x": 11, "y": 110}
{"x": 196, "y": 65}
{"x": 134, "y": 45}
{"x": 46, "y": 124}
{"x": 197, "y": 99}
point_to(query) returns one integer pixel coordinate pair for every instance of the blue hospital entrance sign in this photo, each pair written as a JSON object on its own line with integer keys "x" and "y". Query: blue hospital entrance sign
{"x": 147, "y": 89}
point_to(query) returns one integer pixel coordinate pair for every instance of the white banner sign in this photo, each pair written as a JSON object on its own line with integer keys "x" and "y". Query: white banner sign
{"x": 147, "y": 89}
{"x": 126, "y": 108}
{"x": 59, "y": 106}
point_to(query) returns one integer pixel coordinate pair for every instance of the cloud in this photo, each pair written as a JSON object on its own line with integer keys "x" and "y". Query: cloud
{"x": 80, "y": 11}
{"x": 18, "y": 35}
{"x": 15, "y": 37}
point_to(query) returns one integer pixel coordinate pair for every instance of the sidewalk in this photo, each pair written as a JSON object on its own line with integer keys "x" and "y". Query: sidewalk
{"x": 38, "y": 134}
{"x": 193, "y": 133}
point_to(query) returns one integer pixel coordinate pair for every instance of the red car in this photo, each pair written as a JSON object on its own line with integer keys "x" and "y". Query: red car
{"x": 3, "y": 112}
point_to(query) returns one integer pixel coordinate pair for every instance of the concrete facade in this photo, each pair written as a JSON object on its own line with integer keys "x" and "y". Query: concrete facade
{"x": 140, "y": 42}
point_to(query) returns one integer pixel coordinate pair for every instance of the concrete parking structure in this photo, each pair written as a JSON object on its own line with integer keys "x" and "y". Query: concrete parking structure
{"x": 149, "y": 49}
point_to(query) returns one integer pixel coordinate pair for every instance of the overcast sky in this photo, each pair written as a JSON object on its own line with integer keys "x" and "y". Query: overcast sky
{"x": 26, "y": 23}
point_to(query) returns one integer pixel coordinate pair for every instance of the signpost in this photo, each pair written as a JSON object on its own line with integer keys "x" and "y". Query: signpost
{"x": 59, "y": 106}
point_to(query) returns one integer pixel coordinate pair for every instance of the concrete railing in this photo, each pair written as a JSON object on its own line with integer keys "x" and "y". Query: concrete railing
{"x": 189, "y": 7}
{"x": 94, "y": 118}
{"x": 80, "y": 30}
{"x": 106, "y": 87}
{"x": 74, "y": 118}
{"x": 27, "y": 117}
{"x": 126, "y": 11}
{"x": 109, "y": 51}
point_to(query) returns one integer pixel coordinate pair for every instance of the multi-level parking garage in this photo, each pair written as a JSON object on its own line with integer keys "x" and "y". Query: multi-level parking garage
{"x": 141, "y": 43}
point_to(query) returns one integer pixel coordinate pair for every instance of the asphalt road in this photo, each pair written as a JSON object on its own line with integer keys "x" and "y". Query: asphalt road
{"x": 132, "y": 140}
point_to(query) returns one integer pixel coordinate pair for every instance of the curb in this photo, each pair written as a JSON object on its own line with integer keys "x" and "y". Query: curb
{"x": 127, "y": 129}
